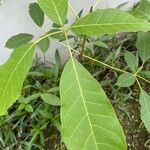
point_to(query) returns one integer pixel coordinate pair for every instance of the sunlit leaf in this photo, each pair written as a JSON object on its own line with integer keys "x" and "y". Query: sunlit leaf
{"x": 88, "y": 120}
{"x": 12, "y": 75}
{"x": 56, "y": 10}
{"x": 109, "y": 21}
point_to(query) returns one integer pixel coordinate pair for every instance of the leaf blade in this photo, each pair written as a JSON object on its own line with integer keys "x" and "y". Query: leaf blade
{"x": 36, "y": 14}
{"x": 55, "y": 10}
{"x": 126, "y": 80}
{"x": 18, "y": 40}
{"x": 51, "y": 99}
{"x": 44, "y": 45}
{"x": 143, "y": 45}
{"x": 143, "y": 10}
{"x": 109, "y": 21}
{"x": 81, "y": 114}
{"x": 145, "y": 109}
{"x": 131, "y": 60}
{"x": 12, "y": 75}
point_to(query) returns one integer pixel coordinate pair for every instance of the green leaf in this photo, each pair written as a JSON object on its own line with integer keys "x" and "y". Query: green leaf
{"x": 18, "y": 40}
{"x": 57, "y": 58}
{"x": 109, "y": 21}
{"x": 100, "y": 44}
{"x": 12, "y": 75}
{"x": 44, "y": 45}
{"x": 145, "y": 109}
{"x": 36, "y": 14}
{"x": 56, "y": 10}
{"x": 143, "y": 45}
{"x": 142, "y": 10}
{"x": 29, "y": 108}
{"x": 126, "y": 80}
{"x": 131, "y": 60}
{"x": 51, "y": 99}
{"x": 88, "y": 120}
{"x": 145, "y": 73}
{"x": 57, "y": 63}
{"x": 59, "y": 36}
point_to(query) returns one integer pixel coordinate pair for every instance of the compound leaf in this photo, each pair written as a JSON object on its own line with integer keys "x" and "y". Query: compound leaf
{"x": 88, "y": 119}
{"x": 12, "y": 75}
{"x": 56, "y": 10}
{"x": 109, "y": 21}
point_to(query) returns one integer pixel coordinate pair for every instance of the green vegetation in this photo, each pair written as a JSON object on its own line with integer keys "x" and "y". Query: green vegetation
{"x": 63, "y": 106}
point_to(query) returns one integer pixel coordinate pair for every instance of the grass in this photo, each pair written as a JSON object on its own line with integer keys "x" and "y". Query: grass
{"x": 31, "y": 123}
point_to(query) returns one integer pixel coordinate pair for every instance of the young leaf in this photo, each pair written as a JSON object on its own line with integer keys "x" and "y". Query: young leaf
{"x": 109, "y": 21}
{"x": 143, "y": 10}
{"x": 88, "y": 120}
{"x": 145, "y": 73}
{"x": 57, "y": 58}
{"x": 51, "y": 99}
{"x": 100, "y": 44}
{"x": 12, "y": 75}
{"x": 57, "y": 63}
{"x": 56, "y": 10}
{"x": 143, "y": 45}
{"x": 44, "y": 45}
{"x": 145, "y": 109}
{"x": 126, "y": 80}
{"x": 29, "y": 108}
{"x": 18, "y": 40}
{"x": 131, "y": 60}
{"x": 36, "y": 14}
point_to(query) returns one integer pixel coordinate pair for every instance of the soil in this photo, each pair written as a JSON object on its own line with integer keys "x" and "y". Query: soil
{"x": 136, "y": 135}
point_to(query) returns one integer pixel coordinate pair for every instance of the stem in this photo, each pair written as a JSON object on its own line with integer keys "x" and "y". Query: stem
{"x": 95, "y": 5}
{"x": 139, "y": 84}
{"x": 83, "y": 47}
{"x": 45, "y": 36}
{"x": 139, "y": 69}
{"x": 68, "y": 45}
{"x": 143, "y": 79}
{"x": 84, "y": 41}
{"x": 76, "y": 15}
{"x": 104, "y": 64}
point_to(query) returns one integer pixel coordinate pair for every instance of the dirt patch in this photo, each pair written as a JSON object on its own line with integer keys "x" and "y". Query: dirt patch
{"x": 136, "y": 135}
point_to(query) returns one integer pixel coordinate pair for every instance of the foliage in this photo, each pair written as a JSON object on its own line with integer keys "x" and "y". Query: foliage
{"x": 93, "y": 116}
{"x": 21, "y": 128}
{"x": 82, "y": 98}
